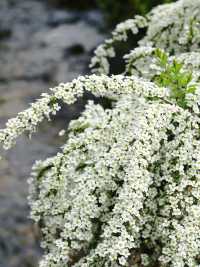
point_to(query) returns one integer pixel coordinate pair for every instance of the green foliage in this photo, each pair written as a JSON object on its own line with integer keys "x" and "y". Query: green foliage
{"x": 118, "y": 10}
{"x": 174, "y": 77}
{"x": 114, "y": 10}
{"x": 78, "y": 4}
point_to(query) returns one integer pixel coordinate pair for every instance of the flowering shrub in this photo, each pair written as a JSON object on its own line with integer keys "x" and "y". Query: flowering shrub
{"x": 125, "y": 188}
{"x": 172, "y": 27}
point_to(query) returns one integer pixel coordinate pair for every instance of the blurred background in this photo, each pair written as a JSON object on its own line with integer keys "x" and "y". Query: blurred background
{"x": 42, "y": 43}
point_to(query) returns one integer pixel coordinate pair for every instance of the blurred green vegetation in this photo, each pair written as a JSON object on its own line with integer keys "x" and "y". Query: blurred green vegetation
{"x": 118, "y": 10}
{"x": 114, "y": 10}
{"x": 74, "y": 4}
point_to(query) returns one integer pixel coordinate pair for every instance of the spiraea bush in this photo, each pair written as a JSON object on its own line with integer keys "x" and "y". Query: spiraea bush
{"x": 172, "y": 27}
{"x": 124, "y": 190}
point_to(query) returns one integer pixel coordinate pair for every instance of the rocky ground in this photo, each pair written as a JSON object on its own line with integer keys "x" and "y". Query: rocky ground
{"x": 40, "y": 46}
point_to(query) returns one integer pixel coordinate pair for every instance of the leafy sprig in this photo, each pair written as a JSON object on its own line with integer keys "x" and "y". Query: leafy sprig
{"x": 174, "y": 77}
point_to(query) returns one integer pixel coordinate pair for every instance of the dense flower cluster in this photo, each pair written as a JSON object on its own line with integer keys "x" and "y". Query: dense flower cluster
{"x": 126, "y": 181}
{"x": 101, "y": 86}
{"x": 173, "y": 27}
{"x": 141, "y": 62}
{"x": 125, "y": 188}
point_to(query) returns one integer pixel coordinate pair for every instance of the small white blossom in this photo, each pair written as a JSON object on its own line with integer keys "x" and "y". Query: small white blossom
{"x": 125, "y": 188}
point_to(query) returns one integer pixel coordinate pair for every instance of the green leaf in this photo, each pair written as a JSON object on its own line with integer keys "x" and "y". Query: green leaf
{"x": 191, "y": 89}
{"x": 174, "y": 77}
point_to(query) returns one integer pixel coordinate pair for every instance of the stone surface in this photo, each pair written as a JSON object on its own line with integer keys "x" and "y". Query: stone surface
{"x": 39, "y": 47}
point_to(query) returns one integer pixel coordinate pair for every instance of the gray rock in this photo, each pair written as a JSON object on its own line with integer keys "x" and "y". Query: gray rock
{"x": 66, "y": 35}
{"x": 60, "y": 17}
{"x": 40, "y": 52}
